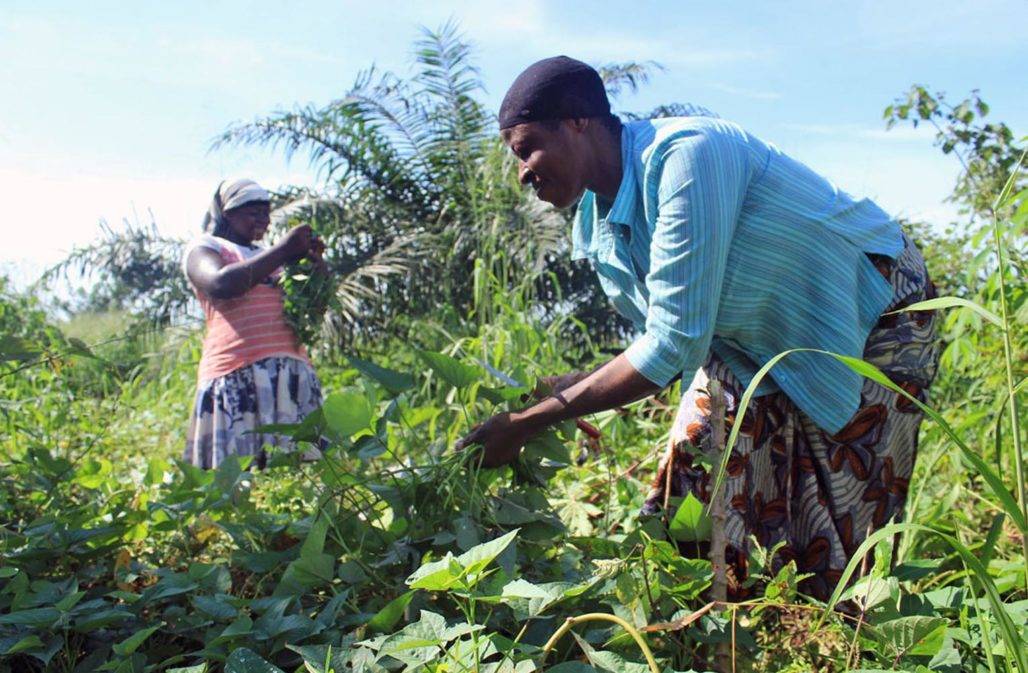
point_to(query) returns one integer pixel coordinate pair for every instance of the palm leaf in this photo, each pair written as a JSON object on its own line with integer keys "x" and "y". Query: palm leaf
{"x": 341, "y": 142}
{"x": 390, "y": 103}
{"x": 628, "y": 75}
{"x": 364, "y": 282}
{"x": 134, "y": 268}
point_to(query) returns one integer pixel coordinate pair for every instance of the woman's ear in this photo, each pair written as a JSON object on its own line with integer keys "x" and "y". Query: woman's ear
{"x": 580, "y": 124}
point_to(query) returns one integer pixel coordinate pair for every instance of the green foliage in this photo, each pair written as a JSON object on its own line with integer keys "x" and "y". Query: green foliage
{"x": 454, "y": 372}
{"x": 393, "y": 552}
{"x": 986, "y": 150}
{"x": 308, "y": 295}
{"x": 303, "y": 564}
{"x": 690, "y": 523}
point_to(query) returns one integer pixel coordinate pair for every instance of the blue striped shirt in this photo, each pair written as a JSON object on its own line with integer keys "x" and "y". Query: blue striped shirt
{"x": 717, "y": 241}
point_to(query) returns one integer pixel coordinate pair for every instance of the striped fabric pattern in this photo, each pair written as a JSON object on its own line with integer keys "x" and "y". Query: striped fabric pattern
{"x": 245, "y": 329}
{"x": 719, "y": 242}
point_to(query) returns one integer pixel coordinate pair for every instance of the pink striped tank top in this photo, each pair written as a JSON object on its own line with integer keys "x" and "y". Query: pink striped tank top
{"x": 242, "y": 330}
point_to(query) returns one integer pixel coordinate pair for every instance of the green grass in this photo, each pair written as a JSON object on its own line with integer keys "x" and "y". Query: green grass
{"x": 396, "y": 553}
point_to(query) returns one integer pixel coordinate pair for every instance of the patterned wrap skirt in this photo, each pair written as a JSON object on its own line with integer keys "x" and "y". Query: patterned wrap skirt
{"x": 790, "y": 483}
{"x": 228, "y": 409}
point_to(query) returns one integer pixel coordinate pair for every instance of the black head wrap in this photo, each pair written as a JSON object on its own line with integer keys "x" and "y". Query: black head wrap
{"x": 554, "y": 88}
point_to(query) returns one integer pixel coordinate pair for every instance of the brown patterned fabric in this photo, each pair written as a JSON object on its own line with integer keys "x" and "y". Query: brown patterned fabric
{"x": 788, "y": 481}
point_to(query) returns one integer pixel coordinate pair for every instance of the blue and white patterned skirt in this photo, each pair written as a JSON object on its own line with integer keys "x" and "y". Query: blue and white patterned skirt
{"x": 227, "y": 410}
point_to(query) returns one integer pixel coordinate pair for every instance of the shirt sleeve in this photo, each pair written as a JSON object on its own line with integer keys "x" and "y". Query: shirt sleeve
{"x": 205, "y": 241}
{"x": 700, "y": 189}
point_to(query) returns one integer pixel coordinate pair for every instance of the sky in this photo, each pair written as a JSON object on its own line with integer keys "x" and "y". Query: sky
{"x": 108, "y": 109}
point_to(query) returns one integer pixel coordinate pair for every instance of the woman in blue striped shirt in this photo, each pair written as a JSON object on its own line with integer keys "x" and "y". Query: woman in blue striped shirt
{"x": 724, "y": 252}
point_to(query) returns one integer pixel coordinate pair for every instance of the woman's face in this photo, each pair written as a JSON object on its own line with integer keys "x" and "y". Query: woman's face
{"x": 548, "y": 160}
{"x": 249, "y": 221}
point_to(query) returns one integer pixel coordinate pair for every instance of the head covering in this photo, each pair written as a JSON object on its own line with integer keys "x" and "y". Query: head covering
{"x": 231, "y": 194}
{"x": 554, "y": 88}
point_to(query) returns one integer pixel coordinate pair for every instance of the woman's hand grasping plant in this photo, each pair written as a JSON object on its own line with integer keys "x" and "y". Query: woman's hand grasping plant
{"x": 501, "y": 438}
{"x": 299, "y": 242}
{"x": 612, "y": 385}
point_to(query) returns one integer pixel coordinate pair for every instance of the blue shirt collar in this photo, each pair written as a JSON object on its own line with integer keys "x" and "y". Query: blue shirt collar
{"x": 622, "y": 211}
{"x": 591, "y": 237}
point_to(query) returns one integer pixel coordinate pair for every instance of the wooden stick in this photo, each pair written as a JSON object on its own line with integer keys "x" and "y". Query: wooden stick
{"x": 718, "y": 517}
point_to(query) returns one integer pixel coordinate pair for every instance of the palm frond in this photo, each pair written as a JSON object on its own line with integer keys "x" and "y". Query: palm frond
{"x": 398, "y": 111}
{"x": 365, "y": 283}
{"x": 340, "y": 142}
{"x": 132, "y": 268}
{"x": 628, "y": 75}
{"x": 543, "y": 233}
{"x": 446, "y": 71}
{"x": 447, "y": 77}
{"x": 299, "y": 204}
{"x": 671, "y": 110}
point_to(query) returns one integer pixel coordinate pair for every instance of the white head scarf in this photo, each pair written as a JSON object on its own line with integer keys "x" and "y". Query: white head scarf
{"x": 231, "y": 194}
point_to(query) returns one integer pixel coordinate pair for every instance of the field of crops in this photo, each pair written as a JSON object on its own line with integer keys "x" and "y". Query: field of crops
{"x": 395, "y": 552}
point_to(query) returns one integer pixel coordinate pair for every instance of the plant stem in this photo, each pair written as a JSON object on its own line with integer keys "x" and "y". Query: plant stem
{"x": 1008, "y": 357}
{"x": 734, "y": 609}
{"x": 983, "y": 626}
{"x": 907, "y": 541}
{"x": 601, "y": 616}
{"x": 654, "y": 609}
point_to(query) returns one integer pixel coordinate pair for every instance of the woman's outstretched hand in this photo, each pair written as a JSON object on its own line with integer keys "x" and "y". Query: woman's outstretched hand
{"x": 499, "y": 439}
{"x": 612, "y": 385}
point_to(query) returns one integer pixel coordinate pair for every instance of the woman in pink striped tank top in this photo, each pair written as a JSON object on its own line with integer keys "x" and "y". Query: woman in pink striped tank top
{"x": 253, "y": 371}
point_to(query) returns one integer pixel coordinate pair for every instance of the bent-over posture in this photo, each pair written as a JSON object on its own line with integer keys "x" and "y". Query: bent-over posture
{"x": 724, "y": 252}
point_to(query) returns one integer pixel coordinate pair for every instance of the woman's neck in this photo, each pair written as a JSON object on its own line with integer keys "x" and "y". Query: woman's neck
{"x": 231, "y": 235}
{"x": 608, "y": 170}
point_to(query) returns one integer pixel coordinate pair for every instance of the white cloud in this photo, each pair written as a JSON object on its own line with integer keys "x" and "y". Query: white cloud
{"x": 238, "y": 54}
{"x": 488, "y": 21}
{"x": 699, "y": 56}
{"x": 922, "y": 133}
{"x": 49, "y": 215}
{"x": 528, "y": 29}
{"x": 948, "y": 25}
{"x": 208, "y": 57}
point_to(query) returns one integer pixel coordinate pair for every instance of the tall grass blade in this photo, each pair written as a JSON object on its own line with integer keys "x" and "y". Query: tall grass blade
{"x": 951, "y": 302}
{"x": 1008, "y": 629}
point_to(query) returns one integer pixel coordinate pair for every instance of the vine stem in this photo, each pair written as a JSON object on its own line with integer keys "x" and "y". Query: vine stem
{"x": 601, "y": 617}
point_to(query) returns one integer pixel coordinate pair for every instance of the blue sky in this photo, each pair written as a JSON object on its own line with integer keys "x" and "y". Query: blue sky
{"x": 109, "y": 107}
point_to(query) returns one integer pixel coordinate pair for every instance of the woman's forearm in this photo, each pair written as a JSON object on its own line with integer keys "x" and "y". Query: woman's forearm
{"x": 612, "y": 385}
{"x": 234, "y": 280}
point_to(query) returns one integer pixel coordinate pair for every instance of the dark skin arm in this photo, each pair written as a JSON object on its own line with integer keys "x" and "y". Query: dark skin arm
{"x": 209, "y": 273}
{"x": 551, "y": 385}
{"x": 614, "y": 384}
{"x": 558, "y": 162}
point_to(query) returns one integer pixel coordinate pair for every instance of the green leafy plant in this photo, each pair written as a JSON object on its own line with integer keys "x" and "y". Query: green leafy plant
{"x": 309, "y": 294}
